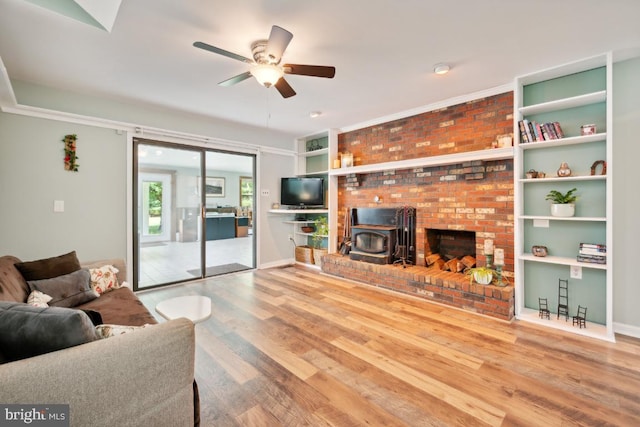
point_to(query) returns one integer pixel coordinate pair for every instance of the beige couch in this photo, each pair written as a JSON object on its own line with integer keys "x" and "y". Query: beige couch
{"x": 142, "y": 378}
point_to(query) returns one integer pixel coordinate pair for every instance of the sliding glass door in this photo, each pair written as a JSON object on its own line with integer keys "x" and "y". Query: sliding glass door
{"x": 193, "y": 220}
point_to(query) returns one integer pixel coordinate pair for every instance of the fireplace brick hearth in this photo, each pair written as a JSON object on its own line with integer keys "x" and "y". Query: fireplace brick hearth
{"x": 474, "y": 196}
{"x": 435, "y": 285}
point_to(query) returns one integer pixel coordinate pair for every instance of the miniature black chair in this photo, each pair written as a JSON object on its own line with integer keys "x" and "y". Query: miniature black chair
{"x": 543, "y": 310}
{"x": 581, "y": 317}
{"x": 563, "y": 298}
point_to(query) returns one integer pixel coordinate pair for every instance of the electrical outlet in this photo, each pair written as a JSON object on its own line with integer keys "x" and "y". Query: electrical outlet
{"x": 290, "y": 236}
{"x": 265, "y": 193}
{"x": 576, "y": 272}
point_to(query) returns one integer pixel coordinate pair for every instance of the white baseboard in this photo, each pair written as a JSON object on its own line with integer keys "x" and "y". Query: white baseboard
{"x": 630, "y": 330}
{"x": 279, "y": 263}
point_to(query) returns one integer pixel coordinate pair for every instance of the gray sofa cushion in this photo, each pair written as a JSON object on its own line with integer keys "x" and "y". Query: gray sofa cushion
{"x": 68, "y": 290}
{"x": 49, "y": 267}
{"x": 27, "y": 331}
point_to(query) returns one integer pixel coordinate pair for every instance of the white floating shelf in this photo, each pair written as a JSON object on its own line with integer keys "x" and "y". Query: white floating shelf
{"x": 314, "y": 152}
{"x": 560, "y": 218}
{"x": 565, "y": 103}
{"x": 421, "y": 162}
{"x": 568, "y": 178}
{"x": 298, "y": 211}
{"x": 571, "y": 140}
{"x": 550, "y": 259}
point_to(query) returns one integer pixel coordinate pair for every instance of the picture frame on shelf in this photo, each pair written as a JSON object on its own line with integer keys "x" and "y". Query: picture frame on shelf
{"x": 214, "y": 186}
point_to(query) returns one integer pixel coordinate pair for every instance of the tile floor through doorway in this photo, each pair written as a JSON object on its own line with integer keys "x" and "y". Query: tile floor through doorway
{"x": 167, "y": 262}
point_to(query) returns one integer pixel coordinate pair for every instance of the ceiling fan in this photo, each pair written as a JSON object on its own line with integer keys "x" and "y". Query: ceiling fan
{"x": 266, "y": 67}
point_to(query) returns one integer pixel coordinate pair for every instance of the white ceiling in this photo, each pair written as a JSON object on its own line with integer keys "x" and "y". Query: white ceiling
{"x": 383, "y": 50}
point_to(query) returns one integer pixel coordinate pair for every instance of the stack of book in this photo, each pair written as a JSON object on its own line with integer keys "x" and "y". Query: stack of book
{"x": 538, "y": 132}
{"x": 593, "y": 253}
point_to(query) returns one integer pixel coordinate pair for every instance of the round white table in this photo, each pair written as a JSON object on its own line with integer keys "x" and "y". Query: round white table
{"x": 196, "y": 308}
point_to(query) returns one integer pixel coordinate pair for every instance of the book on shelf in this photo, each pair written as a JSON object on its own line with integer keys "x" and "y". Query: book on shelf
{"x": 528, "y": 128}
{"x": 551, "y": 130}
{"x": 532, "y": 131}
{"x": 592, "y": 251}
{"x": 539, "y": 135}
{"x": 593, "y": 259}
{"x": 595, "y": 250}
{"x": 598, "y": 246}
{"x": 558, "y": 129}
{"x": 523, "y": 133}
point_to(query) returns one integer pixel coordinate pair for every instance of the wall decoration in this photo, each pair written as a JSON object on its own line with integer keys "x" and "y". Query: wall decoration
{"x": 70, "y": 157}
{"x": 595, "y": 165}
{"x": 214, "y": 187}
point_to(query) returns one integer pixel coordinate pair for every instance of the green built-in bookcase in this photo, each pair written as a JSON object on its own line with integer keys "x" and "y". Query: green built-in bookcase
{"x": 573, "y": 95}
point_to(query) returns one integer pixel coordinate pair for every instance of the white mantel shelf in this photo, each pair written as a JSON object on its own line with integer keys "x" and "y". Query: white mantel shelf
{"x": 421, "y": 162}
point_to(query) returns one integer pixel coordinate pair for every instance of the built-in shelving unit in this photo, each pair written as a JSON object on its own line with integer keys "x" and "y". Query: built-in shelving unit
{"x": 574, "y": 94}
{"x": 312, "y": 159}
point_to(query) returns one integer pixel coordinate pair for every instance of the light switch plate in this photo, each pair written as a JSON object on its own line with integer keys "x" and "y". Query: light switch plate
{"x": 265, "y": 193}
{"x": 542, "y": 223}
{"x": 58, "y": 205}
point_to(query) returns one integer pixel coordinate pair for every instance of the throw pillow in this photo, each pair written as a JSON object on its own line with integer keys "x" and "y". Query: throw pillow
{"x": 69, "y": 290}
{"x": 49, "y": 267}
{"x": 104, "y": 279}
{"x": 38, "y": 299}
{"x": 106, "y": 331}
{"x": 27, "y": 331}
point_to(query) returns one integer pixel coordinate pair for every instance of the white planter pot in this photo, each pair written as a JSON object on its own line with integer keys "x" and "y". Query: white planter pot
{"x": 482, "y": 278}
{"x": 563, "y": 210}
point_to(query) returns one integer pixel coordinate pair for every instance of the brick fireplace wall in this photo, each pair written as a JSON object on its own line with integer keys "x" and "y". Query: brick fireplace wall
{"x": 475, "y": 196}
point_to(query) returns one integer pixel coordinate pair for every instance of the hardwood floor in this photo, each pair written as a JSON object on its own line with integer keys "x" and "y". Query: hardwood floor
{"x": 292, "y": 347}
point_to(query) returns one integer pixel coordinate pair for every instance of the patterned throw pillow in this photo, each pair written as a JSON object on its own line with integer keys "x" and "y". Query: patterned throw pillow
{"x": 104, "y": 279}
{"x": 106, "y": 331}
{"x": 38, "y": 299}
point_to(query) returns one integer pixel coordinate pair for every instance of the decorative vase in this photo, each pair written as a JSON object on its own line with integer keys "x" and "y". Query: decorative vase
{"x": 564, "y": 170}
{"x": 540, "y": 251}
{"x": 563, "y": 209}
{"x": 483, "y": 277}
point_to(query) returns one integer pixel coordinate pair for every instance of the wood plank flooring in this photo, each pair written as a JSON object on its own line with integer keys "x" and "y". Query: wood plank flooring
{"x": 292, "y": 347}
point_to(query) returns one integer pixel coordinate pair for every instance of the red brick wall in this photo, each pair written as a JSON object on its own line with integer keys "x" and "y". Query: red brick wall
{"x": 477, "y": 196}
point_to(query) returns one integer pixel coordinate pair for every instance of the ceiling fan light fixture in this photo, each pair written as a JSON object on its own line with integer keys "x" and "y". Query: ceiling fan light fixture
{"x": 267, "y": 74}
{"x": 441, "y": 69}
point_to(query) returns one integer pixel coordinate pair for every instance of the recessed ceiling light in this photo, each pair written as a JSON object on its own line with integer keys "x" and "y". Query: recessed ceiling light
{"x": 315, "y": 114}
{"x": 441, "y": 69}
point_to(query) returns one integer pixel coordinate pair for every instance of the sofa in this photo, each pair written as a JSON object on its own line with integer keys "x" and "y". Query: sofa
{"x": 142, "y": 377}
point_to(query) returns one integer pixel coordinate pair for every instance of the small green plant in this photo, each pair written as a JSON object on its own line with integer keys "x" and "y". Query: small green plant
{"x": 481, "y": 272}
{"x": 322, "y": 230}
{"x": 562, "y": 199}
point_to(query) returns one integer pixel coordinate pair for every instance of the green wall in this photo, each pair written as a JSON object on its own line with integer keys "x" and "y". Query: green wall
{"x": 32, "y": 176}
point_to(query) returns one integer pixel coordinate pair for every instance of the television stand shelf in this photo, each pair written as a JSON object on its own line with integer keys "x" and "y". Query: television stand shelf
{"x": 299, "y": 211}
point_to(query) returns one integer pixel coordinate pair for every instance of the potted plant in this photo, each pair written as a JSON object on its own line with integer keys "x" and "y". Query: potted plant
{"x": 321, "y": 231}
{"x": 563, "y": 205}
{"x": 482, "y": 275}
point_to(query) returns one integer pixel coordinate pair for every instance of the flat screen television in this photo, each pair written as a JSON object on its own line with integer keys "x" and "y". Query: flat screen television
{"x": 302, "y": 192}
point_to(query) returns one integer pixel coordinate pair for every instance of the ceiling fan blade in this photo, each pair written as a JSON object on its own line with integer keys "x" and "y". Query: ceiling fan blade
{"x": 310, "y": 70}
{"x": 222, "y": 52}
{"x": 235, "y": 79}
{"x": 278, "y": 41}
{"x": 283, "y": 87}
